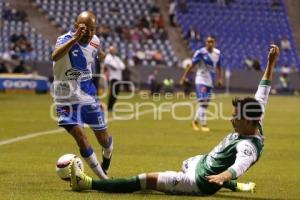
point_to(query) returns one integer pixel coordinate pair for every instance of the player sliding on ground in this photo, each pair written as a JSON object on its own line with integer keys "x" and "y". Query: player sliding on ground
{"x": 204, "y": 174}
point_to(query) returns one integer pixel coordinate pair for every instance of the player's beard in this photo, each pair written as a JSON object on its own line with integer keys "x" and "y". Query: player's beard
{"x": 86, "y": 39}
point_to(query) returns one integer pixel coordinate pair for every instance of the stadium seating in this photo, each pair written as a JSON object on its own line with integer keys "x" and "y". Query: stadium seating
{"x": 115, "y": 13}
{"x": 243, "y": 29}
{"x": 41, "y": 47}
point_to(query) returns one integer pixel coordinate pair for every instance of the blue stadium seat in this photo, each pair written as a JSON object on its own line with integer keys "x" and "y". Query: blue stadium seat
{"x": 243, "y": 29}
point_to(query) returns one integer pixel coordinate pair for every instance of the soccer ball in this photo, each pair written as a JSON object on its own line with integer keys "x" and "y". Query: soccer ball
{"x": 63, "y": 165}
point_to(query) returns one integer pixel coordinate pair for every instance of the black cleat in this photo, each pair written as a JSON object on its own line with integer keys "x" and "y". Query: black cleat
{"x": 105, "y": 164}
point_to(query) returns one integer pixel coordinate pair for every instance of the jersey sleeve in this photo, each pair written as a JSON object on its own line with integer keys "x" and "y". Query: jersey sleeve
{"x": 61, "y": 40}
{"x": 197, "y": 57}
{"x": 245, "y": 157}
{"x": 262, "y": 94}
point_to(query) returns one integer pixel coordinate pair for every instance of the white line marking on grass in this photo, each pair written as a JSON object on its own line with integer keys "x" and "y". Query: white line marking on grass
{"x": 55, "y": 131}
{"x": 30, "y": 135}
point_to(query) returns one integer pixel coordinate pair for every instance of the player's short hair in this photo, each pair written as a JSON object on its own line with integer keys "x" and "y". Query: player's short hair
{"x": 248, "y": 108}
{"x": 211, "y": 36}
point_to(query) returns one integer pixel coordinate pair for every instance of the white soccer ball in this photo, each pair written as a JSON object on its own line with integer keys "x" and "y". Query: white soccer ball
{"x": 63, "y": 165}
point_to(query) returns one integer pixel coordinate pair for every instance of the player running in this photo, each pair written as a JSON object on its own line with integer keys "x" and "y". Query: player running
{"x": 75, "y": 56}
{"x": 205, "y": 174}
{"x": 208, "y": 62}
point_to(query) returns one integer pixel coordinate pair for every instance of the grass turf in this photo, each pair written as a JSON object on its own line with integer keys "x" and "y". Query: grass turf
{"x": 27, "y": 168}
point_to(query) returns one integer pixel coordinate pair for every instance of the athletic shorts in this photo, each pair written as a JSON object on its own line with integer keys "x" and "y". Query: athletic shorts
{"x": 78, "y": 114}
{"x": 203, "y": 92}
{"x": 182, "y": 182}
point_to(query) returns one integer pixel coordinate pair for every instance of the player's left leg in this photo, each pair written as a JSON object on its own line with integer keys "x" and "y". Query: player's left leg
{"x": 94, "y": 116}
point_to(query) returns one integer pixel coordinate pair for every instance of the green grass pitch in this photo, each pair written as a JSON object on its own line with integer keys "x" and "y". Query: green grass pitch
{"x": 27, "y": 167}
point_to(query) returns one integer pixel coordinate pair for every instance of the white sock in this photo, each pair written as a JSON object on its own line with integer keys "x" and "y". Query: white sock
{"x": 95, "y": 166}
{"x": 143, "y": 182}
{"x": 197, "y": 115}
{"x": 202, "y": 114}
{"x": 107, "y": 151}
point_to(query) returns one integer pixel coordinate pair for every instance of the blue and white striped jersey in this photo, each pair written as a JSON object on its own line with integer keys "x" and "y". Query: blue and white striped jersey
{"x": 73, "y": 72}
{"x": 206, "y": 63}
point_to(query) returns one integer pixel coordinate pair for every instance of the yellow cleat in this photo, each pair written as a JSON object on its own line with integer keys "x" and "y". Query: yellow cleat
{"x": 205, "y": 129}
{"x": 195, "y": 126}
{"x": 246, "y": 187}
{"x": 79, "y": 181}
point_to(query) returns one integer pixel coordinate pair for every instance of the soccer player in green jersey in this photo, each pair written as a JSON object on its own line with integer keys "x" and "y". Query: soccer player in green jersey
{"x": 204, "y": 174}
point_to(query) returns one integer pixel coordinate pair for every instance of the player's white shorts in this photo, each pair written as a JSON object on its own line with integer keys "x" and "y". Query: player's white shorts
{"x": 182, "y": 182}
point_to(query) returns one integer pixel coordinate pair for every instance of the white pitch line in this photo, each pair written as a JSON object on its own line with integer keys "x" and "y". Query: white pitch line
{"x": 30, "y": 135}
{"x": 55, "y": 131}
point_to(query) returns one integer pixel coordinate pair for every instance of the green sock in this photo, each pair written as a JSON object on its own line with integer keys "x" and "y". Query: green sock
{"x": 232, "y": 184}
{"x": 120, "y": 185}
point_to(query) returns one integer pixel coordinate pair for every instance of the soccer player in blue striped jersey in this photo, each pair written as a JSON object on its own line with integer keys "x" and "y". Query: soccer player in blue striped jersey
{"x": 208, "y": 173}
{"x": 208, "y": 63}
{"x": 75, "y": 57}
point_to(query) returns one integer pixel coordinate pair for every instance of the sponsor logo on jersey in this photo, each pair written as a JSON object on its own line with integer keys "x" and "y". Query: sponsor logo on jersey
{"x": 76, "y": 74}
{"x": 94, "y": 45}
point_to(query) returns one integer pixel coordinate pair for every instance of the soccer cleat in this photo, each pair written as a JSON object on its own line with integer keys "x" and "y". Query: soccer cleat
{"x": 79, "y": 181}
{"x": 246, "y": 187}
{"x": 195, "y": 126}
{"x": 105, "y": 164}
{"x": 205, "y": 129}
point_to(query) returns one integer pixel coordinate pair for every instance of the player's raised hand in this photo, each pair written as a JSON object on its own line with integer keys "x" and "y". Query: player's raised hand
{"x": 80, "y": 31}
{"x": 273, "y": 54}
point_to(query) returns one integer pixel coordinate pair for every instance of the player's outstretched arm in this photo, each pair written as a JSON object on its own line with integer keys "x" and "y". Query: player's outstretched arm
{"x": 63, "y": 49}
{"x": 264, "y": 86}
{"x": 272, "y": 59}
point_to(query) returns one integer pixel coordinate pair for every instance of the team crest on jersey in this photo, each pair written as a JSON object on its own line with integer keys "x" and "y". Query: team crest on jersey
{"x": 76, "y": 74}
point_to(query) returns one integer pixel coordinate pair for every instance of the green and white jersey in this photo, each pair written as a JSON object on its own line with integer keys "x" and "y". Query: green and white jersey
{"x": 235, "y": 153}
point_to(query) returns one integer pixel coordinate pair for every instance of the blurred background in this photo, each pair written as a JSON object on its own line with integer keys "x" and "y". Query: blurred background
{"x": 155, "y": 39}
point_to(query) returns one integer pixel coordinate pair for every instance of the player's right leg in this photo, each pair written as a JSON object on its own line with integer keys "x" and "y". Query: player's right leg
{"x": 106, "y": 141}
{"x": 93, "y": 115}
{"x": 69, "y": 118}
{"x": 183, "y": 182}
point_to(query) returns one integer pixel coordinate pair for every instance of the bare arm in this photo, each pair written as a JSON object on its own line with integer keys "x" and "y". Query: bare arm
{"x": 272, "y": 59}
{"x": 220, "y": 76}
{"x": 63, "y": 49}
{"x": 186, "y": 72}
